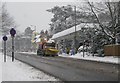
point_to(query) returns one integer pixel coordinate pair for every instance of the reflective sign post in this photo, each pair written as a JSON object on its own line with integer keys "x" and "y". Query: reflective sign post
{"x": 12, "y": 32}
{"x": 4, "y": 39}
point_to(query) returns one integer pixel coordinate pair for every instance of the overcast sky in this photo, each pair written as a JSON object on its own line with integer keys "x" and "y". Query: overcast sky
{"x": 32, "y": 13}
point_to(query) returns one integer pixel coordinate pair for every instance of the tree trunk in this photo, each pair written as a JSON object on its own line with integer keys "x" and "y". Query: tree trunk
{"x": 114, "y": 41}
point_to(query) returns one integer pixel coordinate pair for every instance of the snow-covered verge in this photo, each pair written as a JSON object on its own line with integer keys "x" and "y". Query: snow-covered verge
{"x": 106, "y": 59}
{"x": 18, "y": 71}
{"x": 27, "y": 52}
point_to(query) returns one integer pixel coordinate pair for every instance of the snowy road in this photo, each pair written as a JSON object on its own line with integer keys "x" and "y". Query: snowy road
{"x": 68, "y": 69}
{"x": 18, "y": 71}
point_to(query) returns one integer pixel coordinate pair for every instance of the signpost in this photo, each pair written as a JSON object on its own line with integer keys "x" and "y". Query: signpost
{"x": 4, "y": 39}
{"x": 12, "y": 32}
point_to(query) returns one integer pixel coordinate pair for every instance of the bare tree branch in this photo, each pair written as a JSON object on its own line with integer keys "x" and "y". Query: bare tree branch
{"x": 7, "y": 21}
{"x": 100, "y": 24}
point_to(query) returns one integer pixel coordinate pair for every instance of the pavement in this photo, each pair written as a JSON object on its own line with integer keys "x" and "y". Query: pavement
{"x": 19, "y": 71}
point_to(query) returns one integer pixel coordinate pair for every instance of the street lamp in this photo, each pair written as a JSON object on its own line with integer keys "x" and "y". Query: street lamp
{"x": 34, "y": 32}
{"x": 75, "y": 29}
{"x": 34, "y": 27}
{"x": 12, "y": 32}
{"x": 4, "y": 39}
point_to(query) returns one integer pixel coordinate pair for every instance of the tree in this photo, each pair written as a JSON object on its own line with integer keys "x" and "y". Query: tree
{"x": 28, "y": 31}
{"x": 42, "y": 32}
{"x": 107, "y": 16}
{"x": 64, "y": 17}
{"x": 7, "y": 21}
{"x": 109, "y": 11}
{"x": 59, "y": 18}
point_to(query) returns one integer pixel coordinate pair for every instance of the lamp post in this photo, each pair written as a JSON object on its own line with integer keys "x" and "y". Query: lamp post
{"x": 5, "y": 39}
{"x": 34, "y": 27}
{"x": 12, "y": 32}
{"x": 74, "y": 40}
{"x": 75, "y": 30}
{"x": 35, "y": 36}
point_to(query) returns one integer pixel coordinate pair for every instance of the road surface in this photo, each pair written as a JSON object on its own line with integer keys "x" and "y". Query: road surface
{"x": 68, "y": 69}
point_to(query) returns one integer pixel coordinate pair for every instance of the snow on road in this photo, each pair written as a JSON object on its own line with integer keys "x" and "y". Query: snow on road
{"x": 18, "y": 71}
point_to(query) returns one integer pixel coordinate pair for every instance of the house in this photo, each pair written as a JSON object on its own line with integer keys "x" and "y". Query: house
{"x": 66, "y": 38}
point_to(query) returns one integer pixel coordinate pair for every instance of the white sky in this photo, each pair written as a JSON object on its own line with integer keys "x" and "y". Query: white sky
{"x": 32, "y": 13}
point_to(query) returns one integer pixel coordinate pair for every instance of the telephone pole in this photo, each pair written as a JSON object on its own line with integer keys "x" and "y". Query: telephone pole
{"x": 75, "y": 30}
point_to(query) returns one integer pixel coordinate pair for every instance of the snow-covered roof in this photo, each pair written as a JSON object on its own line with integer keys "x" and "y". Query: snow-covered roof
{"x": 38, "y": 40}
{"x": 50, "y": 41}
{"x": 37, "y": 36}
{"x": 72, "y": 29}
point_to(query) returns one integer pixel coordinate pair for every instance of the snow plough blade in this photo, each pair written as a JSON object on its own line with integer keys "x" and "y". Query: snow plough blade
{"x": 53, "y": 50}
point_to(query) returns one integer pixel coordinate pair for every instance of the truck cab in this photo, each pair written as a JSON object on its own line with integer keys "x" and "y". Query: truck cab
{"x": 47, "y": 49}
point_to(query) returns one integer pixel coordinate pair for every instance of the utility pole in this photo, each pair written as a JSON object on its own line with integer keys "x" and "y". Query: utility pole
{"x": 34, "y": 29}
{"x": 75, "y": 30}
{"x": 35, "y": 45}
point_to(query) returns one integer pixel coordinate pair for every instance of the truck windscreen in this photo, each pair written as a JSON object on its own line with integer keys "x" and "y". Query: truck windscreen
{"x": 50, "y": 44}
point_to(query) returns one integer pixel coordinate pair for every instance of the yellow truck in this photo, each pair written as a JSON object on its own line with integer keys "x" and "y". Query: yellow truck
{"x": 47, "y": 49}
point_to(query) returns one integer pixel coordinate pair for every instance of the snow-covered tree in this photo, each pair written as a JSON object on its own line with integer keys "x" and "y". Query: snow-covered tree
{"x": 28, "y": 31}
{"x": 67, "y": 16}
{"x": 7, "y": 20}
{"x": 107, "y": 15}
{"x": 59, "y": 20}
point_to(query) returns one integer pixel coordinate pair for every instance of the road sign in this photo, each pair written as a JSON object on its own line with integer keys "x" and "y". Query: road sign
{"x": 5, "y": 38}
{"x": 12, "y": 32}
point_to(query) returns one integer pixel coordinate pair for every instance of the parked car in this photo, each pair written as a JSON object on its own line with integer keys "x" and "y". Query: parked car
{"x": 85, "y": 49}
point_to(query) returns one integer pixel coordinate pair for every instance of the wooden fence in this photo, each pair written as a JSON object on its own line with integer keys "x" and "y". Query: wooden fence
{"x": 112, "y": 50}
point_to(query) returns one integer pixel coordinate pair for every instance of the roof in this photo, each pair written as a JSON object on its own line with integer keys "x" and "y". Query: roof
{"x": 72, "y": 29}
{"x": 50, "y": 41}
